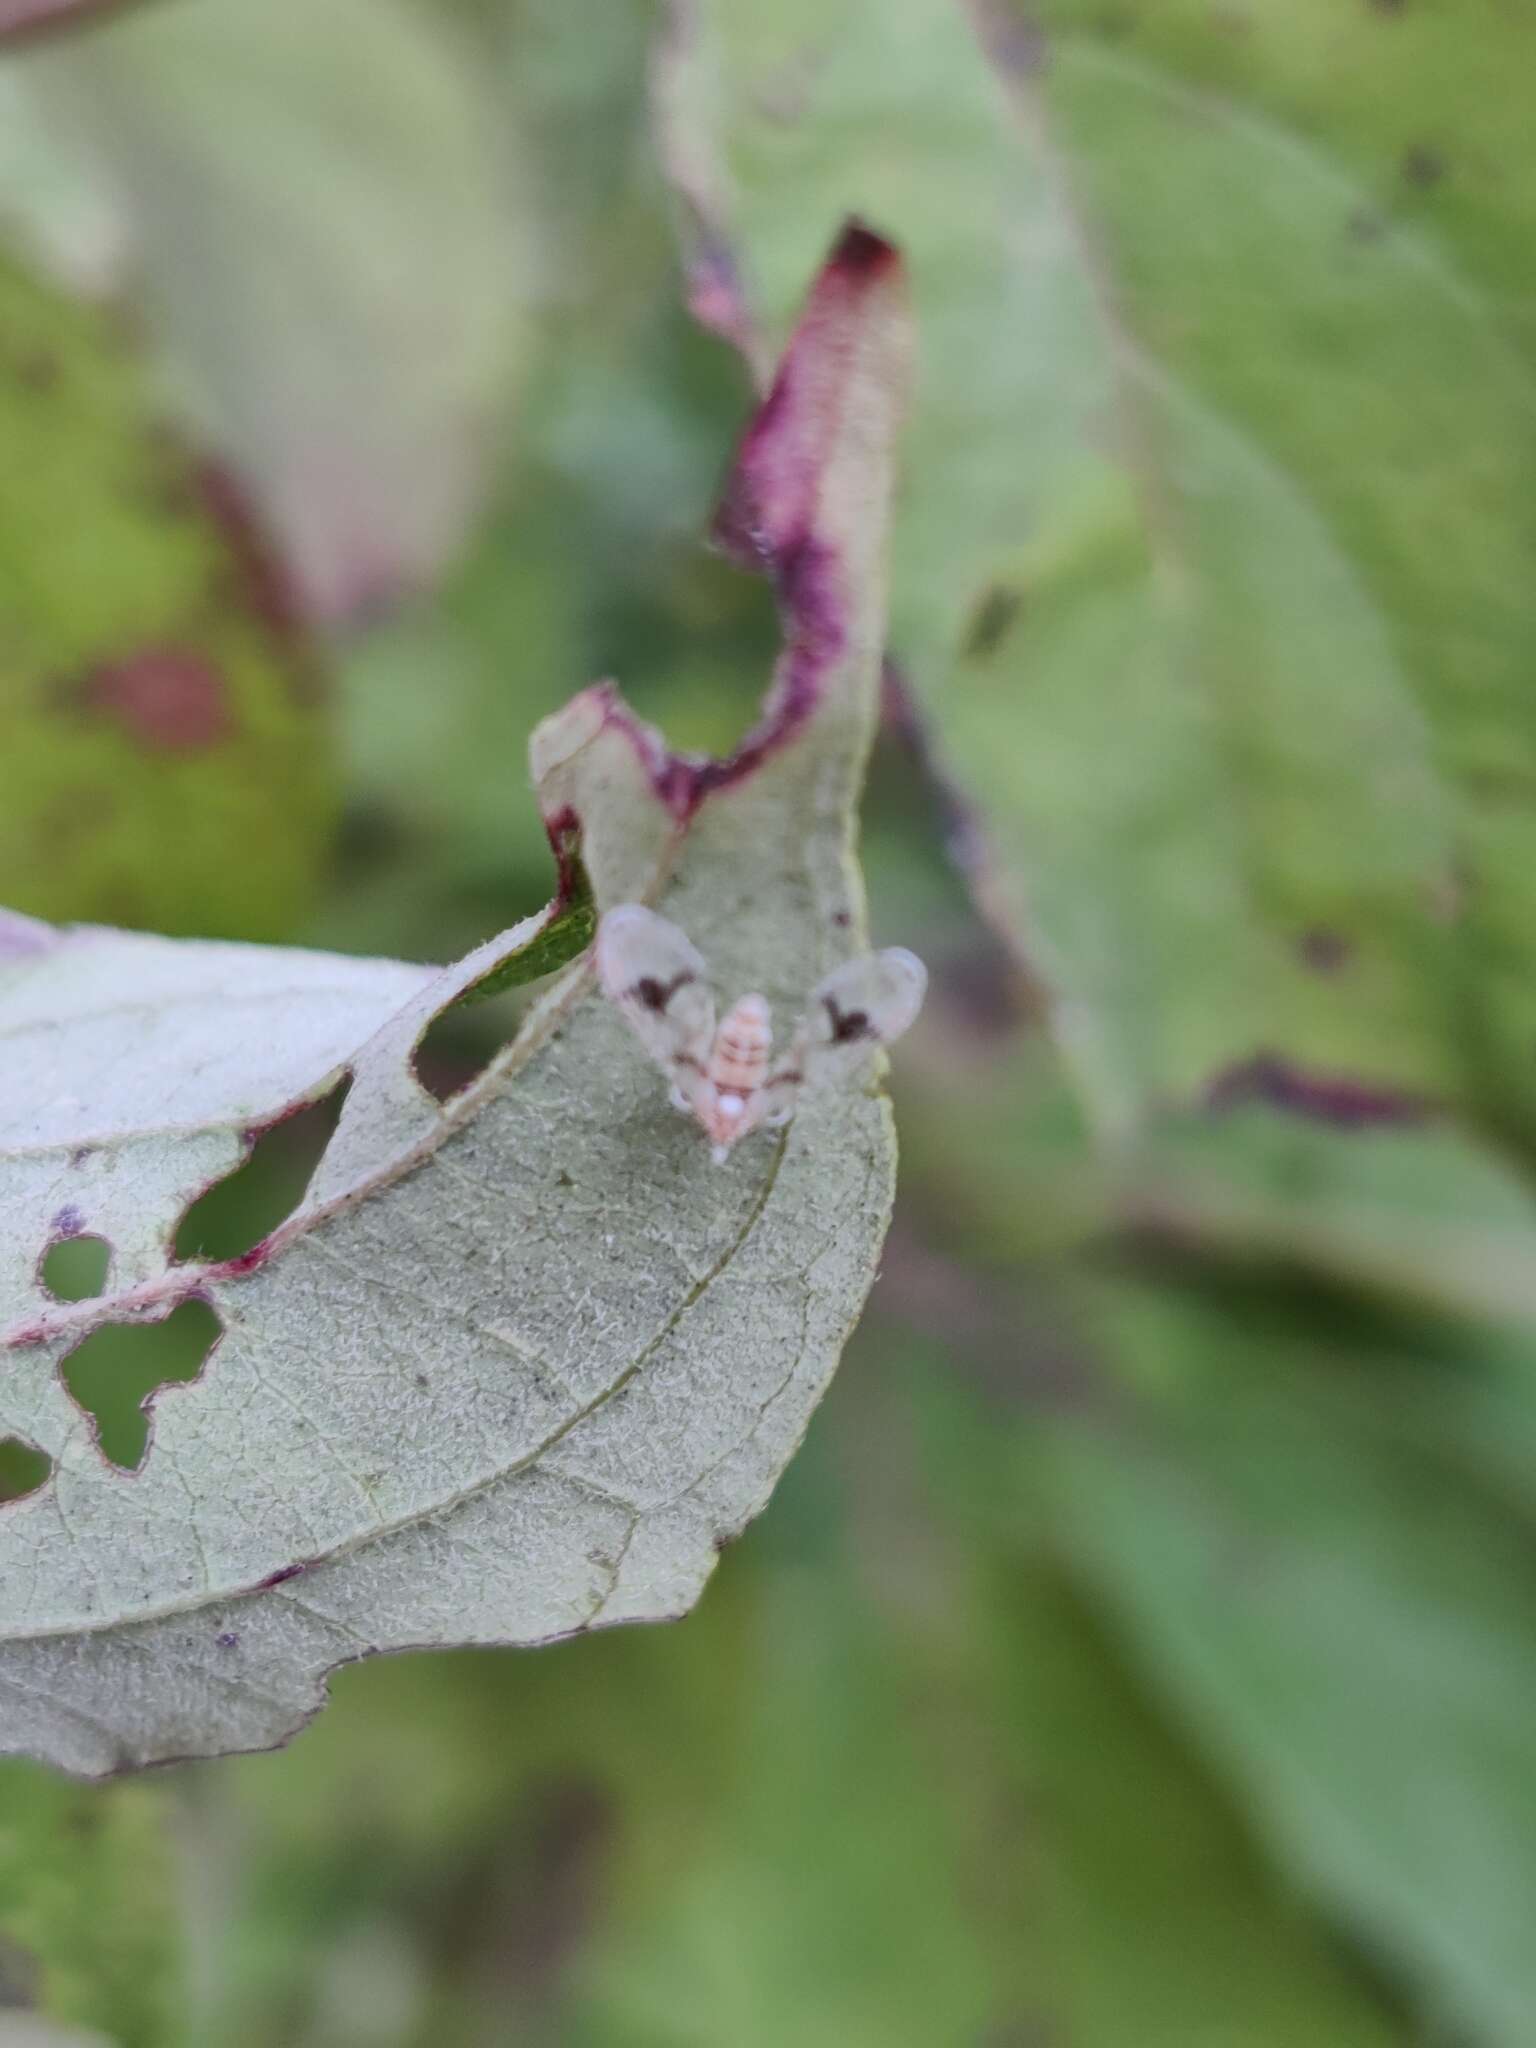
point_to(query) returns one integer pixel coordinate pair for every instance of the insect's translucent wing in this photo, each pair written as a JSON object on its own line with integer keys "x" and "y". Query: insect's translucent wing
{"x": 865, "y": 1003}
{"x": 656, "y": 975}
{"x": 776, "y": 1100}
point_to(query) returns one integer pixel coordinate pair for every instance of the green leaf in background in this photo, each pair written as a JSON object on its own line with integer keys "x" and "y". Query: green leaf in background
{"x": 1209, "y": 576}
{"x": 810, "y": 1905}
{"x": 89, "y": 1923}
{"x": 1210, "y": 565}
{"x": 323, "y": 210}
{"x": 680, "y": 1837}
{"x": 883, "y": 1788}
{"x": 1345, "y": 1613}
{"x": 1127, "y": 1890}
{"x": 166, "y": 758}
{"x": 1295, "y": 1470}
{"x": 1416, "y": 1214}
{"x": 1149, "y": 1914}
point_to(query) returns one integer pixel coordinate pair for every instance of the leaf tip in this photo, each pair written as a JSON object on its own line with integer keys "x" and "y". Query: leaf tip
{"x": 851, "y": 346}
{"x": 863, "y": 253}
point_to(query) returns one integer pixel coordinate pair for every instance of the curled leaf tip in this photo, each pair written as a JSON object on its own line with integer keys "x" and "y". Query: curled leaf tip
{"x": 862, "y": 251}
{"x": 852, "y": 343}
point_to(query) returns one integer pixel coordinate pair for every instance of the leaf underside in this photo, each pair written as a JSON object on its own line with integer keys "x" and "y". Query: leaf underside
{"x": 519, "y": 1364}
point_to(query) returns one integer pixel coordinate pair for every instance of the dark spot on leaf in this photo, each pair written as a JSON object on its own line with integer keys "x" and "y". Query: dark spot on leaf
{"x": 21, "y": 1975}
{"x": 842, "y": 919}
{"x": 114, "y": 1374}
{"x": 1423, "y": 165}
{"x": 169, "y": 699}
{"x": 1366, "y": 224}
{"x": 234, "y": 1216}
{"x": 569, "y": 1827}
{"x": 1340, "y": 1099}
{"x": 69, "y": 1222}
{"x": 247, "y": 1262}
{"x": 75, "y": 1266}
{"x": 422, "y": 1381}
{"x": 38, "y": 371}
{"x": 563, "y": 830}
{"x": 227, "y": 1640}
{"x": 1013, "y": 39}
{"x": 992, "y": 620}
{"x": 1324, "y": 951}
{"x": 1032, "y": 2032}
{"x": 281, "y": 1576}
{"x": 267, "y": 588}
{"x": 23, "y": 1469}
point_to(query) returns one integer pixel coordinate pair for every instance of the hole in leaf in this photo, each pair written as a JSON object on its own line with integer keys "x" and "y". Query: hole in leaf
{"x": 23, "y": 1468}
{"x": 116, "y": 1372}
{"x": 467, "y": 1033}
{"x": 75, "y": 1268}
{"x": 462, "y": 1040}
{"x": 237, "y": 1212}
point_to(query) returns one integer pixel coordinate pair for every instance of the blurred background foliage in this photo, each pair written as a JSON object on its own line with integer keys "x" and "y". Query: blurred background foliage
{"x": 1142, "y": 1649}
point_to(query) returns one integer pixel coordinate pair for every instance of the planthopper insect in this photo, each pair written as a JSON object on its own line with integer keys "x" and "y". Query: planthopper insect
{"x": 726, "y": 1075}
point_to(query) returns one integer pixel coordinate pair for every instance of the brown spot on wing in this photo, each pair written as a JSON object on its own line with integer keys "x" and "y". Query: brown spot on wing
{"x": 656, "y": 995}
{"x": 848, "y": 1026}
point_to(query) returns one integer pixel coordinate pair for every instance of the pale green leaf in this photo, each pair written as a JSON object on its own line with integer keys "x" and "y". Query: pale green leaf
{"x": 1286, "y": 1525}
{"x": 1209, "y": 563}
{"x": 1154, "y": 1916}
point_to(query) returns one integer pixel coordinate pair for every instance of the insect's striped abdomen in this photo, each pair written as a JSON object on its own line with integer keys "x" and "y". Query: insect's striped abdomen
{"x": 739, "y": 1059}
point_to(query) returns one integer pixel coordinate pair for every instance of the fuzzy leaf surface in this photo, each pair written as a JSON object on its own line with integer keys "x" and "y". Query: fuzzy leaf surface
{"x": 518, "y": 1365}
